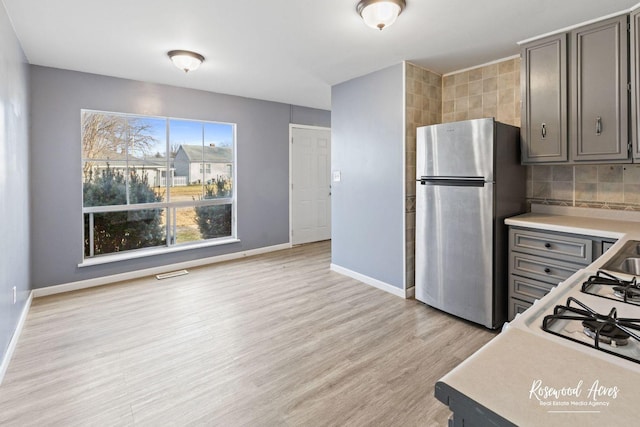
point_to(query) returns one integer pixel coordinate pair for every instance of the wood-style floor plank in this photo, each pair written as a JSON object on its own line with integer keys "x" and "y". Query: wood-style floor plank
{"x": 272, "y": 340}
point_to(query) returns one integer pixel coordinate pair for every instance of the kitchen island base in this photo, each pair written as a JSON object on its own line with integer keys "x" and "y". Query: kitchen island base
{"x": 466, "y": 411}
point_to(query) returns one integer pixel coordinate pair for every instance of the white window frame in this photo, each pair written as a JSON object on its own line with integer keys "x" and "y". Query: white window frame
{"x": 168, "y": 206}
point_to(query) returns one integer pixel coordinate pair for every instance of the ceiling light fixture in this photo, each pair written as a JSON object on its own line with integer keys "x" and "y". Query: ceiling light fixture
{"x": 380, "y": 13}
{"x": 185, "y": 59}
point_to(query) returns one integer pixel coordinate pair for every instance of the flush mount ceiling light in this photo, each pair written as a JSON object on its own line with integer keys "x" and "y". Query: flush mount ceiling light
{"x": 380, "y": 13}
{"x": 185, "y": 59}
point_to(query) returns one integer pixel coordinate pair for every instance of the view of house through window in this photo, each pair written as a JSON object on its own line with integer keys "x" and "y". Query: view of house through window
{"x": 151, "y": 182}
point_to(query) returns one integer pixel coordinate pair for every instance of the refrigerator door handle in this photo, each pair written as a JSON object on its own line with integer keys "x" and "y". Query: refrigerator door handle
{"x": 453, "y": 181}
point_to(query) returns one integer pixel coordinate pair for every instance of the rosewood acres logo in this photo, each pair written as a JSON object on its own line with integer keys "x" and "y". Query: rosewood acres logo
{"x": 574, "y": 398}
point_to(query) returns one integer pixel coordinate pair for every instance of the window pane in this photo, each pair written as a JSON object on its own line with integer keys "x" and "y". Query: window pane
{"x": 186, "y": 228}
{"x": 219, "y": 145}
{"x": 105, "y": 185}
{"x": 147, "y": 159}
{"x": 141, "y": 189}
{"x": 104, "y": 159}
{"x": 123, "y": 231}
{"x": 213, "y": 221}
{"x": 186, "y": 142}
{"x": 103, "y": 136}
{"x": 123, "y": 159}
{"x": 219, "y": 187}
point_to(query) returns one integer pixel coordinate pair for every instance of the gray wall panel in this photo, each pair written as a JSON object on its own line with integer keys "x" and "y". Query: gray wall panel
{"x": 310, "y": 116}
{"x": 367, "y": 148}
{"x": 57, "y": 98}
{"x": 14, "y": 180}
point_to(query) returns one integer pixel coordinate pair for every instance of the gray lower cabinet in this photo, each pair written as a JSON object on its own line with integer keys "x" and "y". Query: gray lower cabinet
{"x": 539, "y": 260}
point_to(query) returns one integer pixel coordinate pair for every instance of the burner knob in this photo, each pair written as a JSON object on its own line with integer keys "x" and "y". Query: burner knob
{"x": 547, "y": 245}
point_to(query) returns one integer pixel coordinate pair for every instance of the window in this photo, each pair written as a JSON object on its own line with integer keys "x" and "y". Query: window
{"x": 145, "y": 186}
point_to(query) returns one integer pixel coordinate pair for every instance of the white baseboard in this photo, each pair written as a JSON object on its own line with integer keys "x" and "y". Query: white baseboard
{"x": 370, "y": 281}
{"x": 14, "y": 339}
{"x": 99, "y": 281}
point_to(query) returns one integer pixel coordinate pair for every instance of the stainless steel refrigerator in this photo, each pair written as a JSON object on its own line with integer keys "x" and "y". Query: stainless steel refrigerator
{"x": 469, "y": 179}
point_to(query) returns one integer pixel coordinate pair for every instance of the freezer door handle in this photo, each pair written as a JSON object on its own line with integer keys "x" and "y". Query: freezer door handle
{"x": 453, "y": 181}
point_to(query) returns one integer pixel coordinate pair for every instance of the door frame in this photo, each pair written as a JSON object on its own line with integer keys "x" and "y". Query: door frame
{"x": 291, "y": 127}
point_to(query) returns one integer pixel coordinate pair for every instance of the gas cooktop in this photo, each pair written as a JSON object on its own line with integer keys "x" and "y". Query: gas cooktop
{"x": 606, "y": 332}
{"x": 598, "y": 311}
{"x": 608, "y": 286}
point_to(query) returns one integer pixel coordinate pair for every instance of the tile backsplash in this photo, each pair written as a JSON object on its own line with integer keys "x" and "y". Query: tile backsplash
{"x": 491, "y": 90}
{"x": 611, "y": 186}
{"x": 423, "y": 95}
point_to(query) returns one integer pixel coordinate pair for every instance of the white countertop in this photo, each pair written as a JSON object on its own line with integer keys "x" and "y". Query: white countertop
{"x": 590, "y": 226}
{"x": 502, "y": 374}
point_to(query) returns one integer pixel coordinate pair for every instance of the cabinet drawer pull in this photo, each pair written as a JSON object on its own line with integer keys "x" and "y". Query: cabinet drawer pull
{"x": 547, "y": 245}
{"x": 543, "y": 131}
{"x": 598, "y": 125}
{"x": 547, "y": 270}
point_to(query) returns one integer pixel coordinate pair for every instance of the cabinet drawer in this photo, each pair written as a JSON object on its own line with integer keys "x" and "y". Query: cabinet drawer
{"x": 516, "y": 306}
{"x": 528, "y": 289}
{"x": 539, "y": 268}
{"x": 567, "y": 248}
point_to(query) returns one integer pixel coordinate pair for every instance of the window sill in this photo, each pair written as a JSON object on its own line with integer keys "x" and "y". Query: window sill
{"x": 142, "y": 253}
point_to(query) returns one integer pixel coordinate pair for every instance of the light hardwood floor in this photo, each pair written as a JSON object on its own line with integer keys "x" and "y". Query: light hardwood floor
{"x": 273, "y": 340}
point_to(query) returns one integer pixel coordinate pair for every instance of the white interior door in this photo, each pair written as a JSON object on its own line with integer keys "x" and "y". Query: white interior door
{"x": 310, "y": 184}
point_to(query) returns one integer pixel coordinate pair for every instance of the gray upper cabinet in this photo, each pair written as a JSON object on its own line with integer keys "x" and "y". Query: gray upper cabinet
{"x": 575, "y": 95}
{"x": 544, "y": 106}
{"x": 599, "y": 91}
{"x": 635, "y": 81}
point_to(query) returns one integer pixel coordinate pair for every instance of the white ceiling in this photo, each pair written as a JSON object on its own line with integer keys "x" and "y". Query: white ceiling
{"x": 289, "y": 51}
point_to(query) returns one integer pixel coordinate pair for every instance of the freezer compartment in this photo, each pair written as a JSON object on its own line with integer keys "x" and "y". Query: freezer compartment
{"x": 457, "y": 149}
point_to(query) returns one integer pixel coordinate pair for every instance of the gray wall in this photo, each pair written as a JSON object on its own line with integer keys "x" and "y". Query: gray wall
{"x": 57, "y": 96}
{"x": 310, "y": 116}
{"x": 367, "y": 137}
{"x": 14, "y": 180}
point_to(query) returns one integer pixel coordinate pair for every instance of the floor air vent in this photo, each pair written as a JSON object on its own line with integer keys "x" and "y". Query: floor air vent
{"x": 171, "y": 274}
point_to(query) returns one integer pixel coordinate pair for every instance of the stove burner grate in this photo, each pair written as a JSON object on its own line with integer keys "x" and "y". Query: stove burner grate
{"x": 605, "y": 333}
{"x": 607, "y": 329}
{"x": 627, "y": 291}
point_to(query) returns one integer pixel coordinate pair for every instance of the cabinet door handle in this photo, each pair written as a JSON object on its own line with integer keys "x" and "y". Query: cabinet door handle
{"x": 543, "y": 130}
{"x": 598, "y": 125}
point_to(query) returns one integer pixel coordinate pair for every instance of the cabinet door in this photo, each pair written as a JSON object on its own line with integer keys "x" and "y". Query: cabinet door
{"x": 599, "y": 94}
{"x": 544, "y": 95}
{"x": 635, "y": 81}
